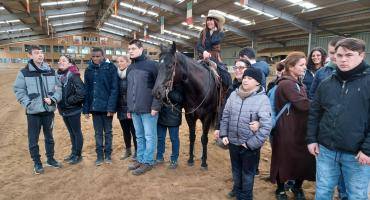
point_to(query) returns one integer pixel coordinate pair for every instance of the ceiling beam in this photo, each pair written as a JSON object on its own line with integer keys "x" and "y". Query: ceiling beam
{"x": 177, "y": 40}
{"x": 106, "y": 13}
{"x": 123, "y": 24}
{"x": 63, "y": 11}
{"x": 300, "y": 23}
{"x": 73, "y": 27}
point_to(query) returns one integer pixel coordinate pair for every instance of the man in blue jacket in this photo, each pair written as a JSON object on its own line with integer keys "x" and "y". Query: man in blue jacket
{"x": 38, "y": 90}
{"x": 101, "y": 82}
{"x": 142, "y": 106}
{"x": 250, "y": 55}
{"x": 338, "y": 131}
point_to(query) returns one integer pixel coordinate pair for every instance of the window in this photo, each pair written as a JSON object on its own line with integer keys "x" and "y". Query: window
{"x": 118, "y": 52}
{"x": 26, "y": 47}
{"x": 4, "y": 60}
{"x": 16, "y": 60}
{"x": 15, "y": 49}
{"x": 108, "y": 51}
{"x": 58, "y": 49}
{"x": 86, "y": 39}
{"x": 93, "y": 39}
{"x": 72, "y": 49}
{"x": 85, "y": 50}
{"x": 24, "y": 60}
{"x": 86, "y": 61}
{"x": 45, "y": 48}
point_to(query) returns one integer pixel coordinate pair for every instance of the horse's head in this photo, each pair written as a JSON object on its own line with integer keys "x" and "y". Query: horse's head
{"x": 166, "y": 72}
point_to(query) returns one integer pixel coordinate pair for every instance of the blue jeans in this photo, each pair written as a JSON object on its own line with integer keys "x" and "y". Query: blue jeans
{"x": 329, "y": 167}
{"x": 174, "y": 136}
{"x": 146, "y": 136}
{"x": 35, "y": 122}
{"x": 243, "y": 165}
{"x": 103, "y": 134}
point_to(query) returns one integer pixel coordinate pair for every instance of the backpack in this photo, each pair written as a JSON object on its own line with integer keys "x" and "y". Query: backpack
{"x": 275, "y": 114}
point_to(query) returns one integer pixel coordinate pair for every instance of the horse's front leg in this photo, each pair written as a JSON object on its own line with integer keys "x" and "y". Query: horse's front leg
{"x": 206, "y": 126}
{"x": 191, "y": 123}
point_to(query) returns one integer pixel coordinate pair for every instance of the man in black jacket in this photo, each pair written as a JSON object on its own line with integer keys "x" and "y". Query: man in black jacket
{"x": 339, "y": 124}
{"x": 143, "y": 108}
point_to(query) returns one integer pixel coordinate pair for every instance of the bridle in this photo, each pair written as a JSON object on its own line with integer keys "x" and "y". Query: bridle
{"x": 169, "y": 87}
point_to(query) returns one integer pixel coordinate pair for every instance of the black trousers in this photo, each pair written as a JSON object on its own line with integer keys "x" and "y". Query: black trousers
{"x": 35, "y": 122}
{"x": 128, "y": 131}
{"x": 73, "y": 124}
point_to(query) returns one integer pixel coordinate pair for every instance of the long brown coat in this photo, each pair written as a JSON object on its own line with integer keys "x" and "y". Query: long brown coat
{"x": 290, "y": 157}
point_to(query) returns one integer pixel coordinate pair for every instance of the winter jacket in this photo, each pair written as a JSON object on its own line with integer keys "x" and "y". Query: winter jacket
{"x": 169, "y": 116}
{"x": 321, "y": 74}
{"x": 239, "y": 113}
{"x": 73, "y": 92}
{"x": 101, "y": 82}
{"x": 290, "y": 158}
{"x": 33, "y": 84}
{"x": 141, "y": 76}
{"x": 122, "y": 98}
{"x": 339, "y": 117}
{"x": 210, "y": 41}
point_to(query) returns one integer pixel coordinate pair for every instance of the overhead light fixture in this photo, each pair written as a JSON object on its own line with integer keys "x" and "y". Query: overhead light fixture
{"x": 177, "y": 34}
{"x": 110, "y": 31}
{"x": 65, "y": 15}
{"x": 58, "y": 3}
{"x": 142, "y": 10}
{"x": 68, "y": 23}
{"x": 16, "y": 30}
{"x": 10, "y": 21}
{"x": 304, "y": 4}
{"x": 2, "y": 8}
{"x": 149, "y": 42}
{"x": 127, "y": 20}
{"x": 159, "y": 38}
{"x": 198, "y": 28}
{"x": 255, "y": 10}
{"x": 119, "y": 27}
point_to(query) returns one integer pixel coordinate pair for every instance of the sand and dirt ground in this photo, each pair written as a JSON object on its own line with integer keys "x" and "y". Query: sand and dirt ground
{"x": 86, "y": 181}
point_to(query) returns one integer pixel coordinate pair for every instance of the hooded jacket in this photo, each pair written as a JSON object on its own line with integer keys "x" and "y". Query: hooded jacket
{"x": 33, "y": 84}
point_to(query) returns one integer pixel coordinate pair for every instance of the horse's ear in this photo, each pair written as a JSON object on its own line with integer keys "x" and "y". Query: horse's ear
{"x": 173, "y": 48}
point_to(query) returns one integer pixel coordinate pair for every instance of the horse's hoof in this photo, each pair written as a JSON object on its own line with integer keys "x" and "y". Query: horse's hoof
{"x": 204, "y": 168}
{"x": 190, "y": 163}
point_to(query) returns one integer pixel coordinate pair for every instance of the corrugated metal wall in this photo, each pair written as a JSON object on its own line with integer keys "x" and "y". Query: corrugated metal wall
{"x": 230, "y": 54}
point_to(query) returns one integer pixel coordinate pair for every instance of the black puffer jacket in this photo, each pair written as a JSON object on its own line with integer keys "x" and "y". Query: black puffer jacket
{"x": 73, "y": 93}
{"x": 339, "y": 116}
{"x": 169, "y": 116}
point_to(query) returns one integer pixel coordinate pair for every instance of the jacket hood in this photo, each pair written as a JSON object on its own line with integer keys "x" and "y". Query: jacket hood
{"x": 32, "y": 66}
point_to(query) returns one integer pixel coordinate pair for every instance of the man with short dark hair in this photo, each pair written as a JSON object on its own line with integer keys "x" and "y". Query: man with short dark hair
{"x": 250, "y": 55}
{"x": 338, "y": 132}
{"x": 142, "y": 106}
{"x": 101, "y": 81}
{"x": 38, "y": 90}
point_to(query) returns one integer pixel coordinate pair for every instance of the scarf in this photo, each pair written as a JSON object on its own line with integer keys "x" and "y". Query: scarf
{"x": 244, "y": 94}
{"x": 122, "y": 73}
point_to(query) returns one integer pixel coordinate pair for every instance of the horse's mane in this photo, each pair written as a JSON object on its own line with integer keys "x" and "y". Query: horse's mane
{"x": 186, "y": 60}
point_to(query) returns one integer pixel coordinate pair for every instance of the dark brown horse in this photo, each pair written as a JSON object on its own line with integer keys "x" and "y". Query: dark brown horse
{"x": 201, "y": 93}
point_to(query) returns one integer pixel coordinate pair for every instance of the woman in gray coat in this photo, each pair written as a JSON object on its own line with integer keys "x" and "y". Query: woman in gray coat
{"x": 245, "y": 126}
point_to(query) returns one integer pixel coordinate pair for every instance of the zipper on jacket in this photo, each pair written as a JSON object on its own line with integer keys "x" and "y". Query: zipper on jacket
{"x": 343, "y": 88}
{"x": 237, "y": 123}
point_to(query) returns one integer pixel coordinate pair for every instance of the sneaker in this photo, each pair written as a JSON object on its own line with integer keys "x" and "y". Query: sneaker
{"x": 99, "y": 161}
{"x": 38, "y": 169}
{"x": 281, "y": 195}
{"x": 108, "y": 160}
{"x": 127, "y": 154}
{"x": 142, "y": 169}
{"x": 173, "y": 165}
{"x": 298, "y": 194}
{"x": 134, "y": 165}
{"x": 68, "y": 158}
{"x": 75, "y": 160}
{"x": 231, "y": 194}
{"x": 53, "y": 163}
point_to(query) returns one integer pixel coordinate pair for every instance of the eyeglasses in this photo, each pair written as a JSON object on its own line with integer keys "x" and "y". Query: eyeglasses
{"x": 239, "y": 67}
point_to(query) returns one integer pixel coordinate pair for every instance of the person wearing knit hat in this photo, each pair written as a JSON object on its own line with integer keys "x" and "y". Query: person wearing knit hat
{"x": 246, "y": 124}
{"x": 253, "y": 73}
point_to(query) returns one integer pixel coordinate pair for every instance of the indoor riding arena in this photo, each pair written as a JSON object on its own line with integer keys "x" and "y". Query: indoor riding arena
{"x": 79, "y": 78}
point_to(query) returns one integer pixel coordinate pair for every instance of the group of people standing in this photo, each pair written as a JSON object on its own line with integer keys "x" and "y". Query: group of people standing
{"x": 323, "y": 136}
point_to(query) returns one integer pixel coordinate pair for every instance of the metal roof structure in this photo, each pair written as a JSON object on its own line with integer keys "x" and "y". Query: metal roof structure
{"x": 258, "y": 21}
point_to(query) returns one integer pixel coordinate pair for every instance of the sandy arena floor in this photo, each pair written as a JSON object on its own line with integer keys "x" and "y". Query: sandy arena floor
{"x": 86, "y": 181}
